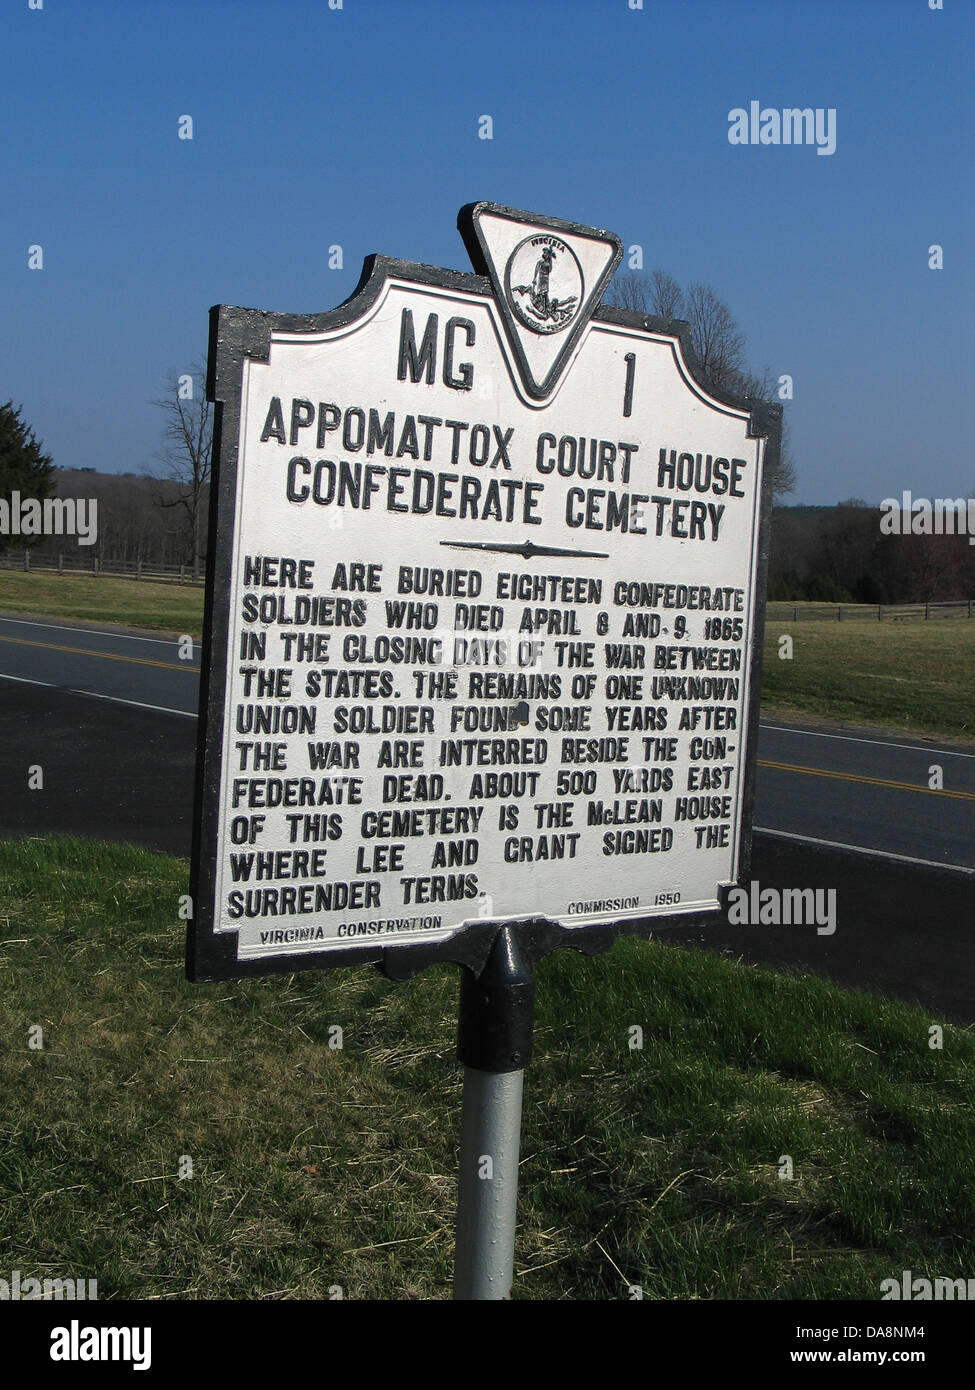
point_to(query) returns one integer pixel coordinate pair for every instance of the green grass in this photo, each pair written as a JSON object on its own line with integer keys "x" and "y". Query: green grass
{"x": 316, "y": 1167}
{"x": 171, "y": 608}
{"x": 917, "y": 676}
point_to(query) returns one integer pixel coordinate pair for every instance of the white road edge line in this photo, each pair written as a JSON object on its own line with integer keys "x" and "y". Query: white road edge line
{"x": 96, "y": 632}
{"x": 863, "y": 849}
{"x": 93, "y": 695}
{"x": 877, "y": 742}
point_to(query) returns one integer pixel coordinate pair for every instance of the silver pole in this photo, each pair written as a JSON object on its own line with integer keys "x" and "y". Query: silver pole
{"x": 487, "y": 1196}
{"x": 494, "y": 1042}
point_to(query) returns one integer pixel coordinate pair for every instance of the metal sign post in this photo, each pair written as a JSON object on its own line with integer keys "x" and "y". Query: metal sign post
{"x": 494, "y": 1043}
{"x": 482, "y": 645}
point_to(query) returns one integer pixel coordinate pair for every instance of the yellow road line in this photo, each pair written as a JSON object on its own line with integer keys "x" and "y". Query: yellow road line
{"x": 105, "y": 656}
{"x": 871, "y": 781}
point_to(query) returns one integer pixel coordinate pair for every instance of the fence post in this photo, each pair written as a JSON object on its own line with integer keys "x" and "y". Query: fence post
{"x": 26, "y": 559}
{"x": 61, "y": 562}
{"x": 795, "y": 615}
{"x": 839, "y": 614}
{"x": 880, "y": 613}
{"x": 927, "y": 611}
{"x": 94, "y": 566}
{"x": 138, "y": 569}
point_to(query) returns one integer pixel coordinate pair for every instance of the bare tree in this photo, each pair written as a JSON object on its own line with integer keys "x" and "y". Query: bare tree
{"x": 657, "y": 293}
{"x": 717, "y": 341}
{"x": 716, "y": 337}
{"x": 667, "y": 296}
{"x": 186, "y": 453}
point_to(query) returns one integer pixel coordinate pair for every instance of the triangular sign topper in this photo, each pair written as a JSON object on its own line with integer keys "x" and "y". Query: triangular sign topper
{"x": 548, "y": 277}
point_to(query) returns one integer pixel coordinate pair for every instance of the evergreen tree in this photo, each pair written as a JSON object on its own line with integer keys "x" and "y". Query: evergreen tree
{"x": 24, "y": 467}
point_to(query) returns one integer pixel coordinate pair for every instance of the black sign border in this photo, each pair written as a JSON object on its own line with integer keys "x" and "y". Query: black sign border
{"x": 237, "y": 334}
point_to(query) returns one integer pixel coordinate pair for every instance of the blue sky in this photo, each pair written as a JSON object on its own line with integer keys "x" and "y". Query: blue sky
{"x": 358, "y": 127}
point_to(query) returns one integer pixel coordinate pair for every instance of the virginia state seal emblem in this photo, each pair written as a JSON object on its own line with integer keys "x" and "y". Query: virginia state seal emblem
{"x": 543, "y": 283}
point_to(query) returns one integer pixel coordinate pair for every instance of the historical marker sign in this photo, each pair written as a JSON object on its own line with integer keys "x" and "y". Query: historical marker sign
{"x": 484, "y": 616}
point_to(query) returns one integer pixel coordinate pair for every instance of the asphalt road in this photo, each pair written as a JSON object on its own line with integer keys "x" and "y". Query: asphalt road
{"x": 122, "y": 664}
{"x": 111, "y": 719}
{"x": 869, "y": 790}
{"x": 846, "y": 787}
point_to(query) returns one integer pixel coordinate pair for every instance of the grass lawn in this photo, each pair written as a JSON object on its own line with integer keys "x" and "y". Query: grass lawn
{"x": 918, "y": 676}
{"x": 171, "y": 608}
{"x": 315, "y": 1167}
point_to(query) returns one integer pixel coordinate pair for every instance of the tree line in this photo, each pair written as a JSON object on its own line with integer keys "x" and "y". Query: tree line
{"x": 841, "y": 555}
{"x": 140, "y": 521}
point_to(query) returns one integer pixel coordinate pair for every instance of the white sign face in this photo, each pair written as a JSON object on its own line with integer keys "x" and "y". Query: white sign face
{"x": 488, "y": 653}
